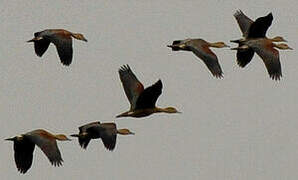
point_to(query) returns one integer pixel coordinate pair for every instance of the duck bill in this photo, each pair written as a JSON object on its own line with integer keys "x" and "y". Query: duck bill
{"x": 9, "y": 139}
{"x": 74, "y": 135}
{"x": 35, "y": 39}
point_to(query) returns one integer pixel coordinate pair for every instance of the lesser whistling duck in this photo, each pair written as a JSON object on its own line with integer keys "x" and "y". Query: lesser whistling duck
{"x": 264, "y": 47}
{"x": 252, "y": 29}
{"x": 142, "y": 101}
{"x": 62, "y": 40}
{"x": 201, "y": 49}
{"x": 25, "y": 143}
{"x": 106, "y": 131}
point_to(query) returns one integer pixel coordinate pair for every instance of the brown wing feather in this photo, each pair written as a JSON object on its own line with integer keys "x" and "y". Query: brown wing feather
{"x": 47, "y": 145}
{"x": 209, "y": 58}
{"x": 270, "y": 57}
{"x": 243, "y": 21}
{"x": 132, "y": 86}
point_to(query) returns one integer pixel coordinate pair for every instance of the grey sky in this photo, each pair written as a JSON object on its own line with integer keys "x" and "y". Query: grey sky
{"x": 241, "y": 127}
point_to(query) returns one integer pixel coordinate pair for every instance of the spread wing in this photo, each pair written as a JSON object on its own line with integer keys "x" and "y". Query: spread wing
{"x": 64, "y": 48}
{"x": 149, "y": 96}
{"x": 132, "y": 86}
{"x": 244, "y": 56}
{"x": 49, "y": 147}
{"x": 23, "y": 154}
{"x": 108, "y": 135}
{"x": 209, "y": 58}
{"x": 90, "y": 129}
{"x": 270, "y": 57}
{"x": 243, "y": 21}
{"x": 41, "y": 46}
{"x": 259, "y": 28}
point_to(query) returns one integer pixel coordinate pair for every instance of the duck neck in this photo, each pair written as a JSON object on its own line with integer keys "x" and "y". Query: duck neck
{"x": 159, "y": 110}
{"x": 216, "y": 45}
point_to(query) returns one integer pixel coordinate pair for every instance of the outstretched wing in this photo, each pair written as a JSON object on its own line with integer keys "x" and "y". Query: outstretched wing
{"x": 208, "y": 57}
{"x": 64, "y": 48}
{"x": 132, "y": 86}
{"x": 244, "y": 56}
{"x": 108, "y": 134}
{"x": 270, "y": 57}
{"x": 149, "y": 96}
{"x": 259, "y": 28}
{"x": 23, "y": 154}
{"x": 48, "y": 146}
{"x": 243, "y": 21}
{"x": 41, "y": 46}
{"x": 90, "y": 130}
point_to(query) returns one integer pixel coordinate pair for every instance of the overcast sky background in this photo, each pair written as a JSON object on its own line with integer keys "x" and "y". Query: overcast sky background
{"x": 241, "y": 127}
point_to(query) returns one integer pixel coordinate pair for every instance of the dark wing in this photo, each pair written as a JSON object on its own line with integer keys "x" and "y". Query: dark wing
{"x": 243, "y": 21}
{"x": 41, "y": 46}
{"x": 132, "y": 86}
{"x": 64, "y": 48}
{"x": 23, "y": 154}
{"x": 91, "y": 131}
{"x": 259, "y": 28}
{"x": 244, "y": 56}
{"x": 84, "y": 141}
{"x": 86, "y": 126}
{"x": 49, "y": 147}
{"x": 209, "y": 58}
{"x": 149, "y": 96}
{"x": 270, "y": 57}
{"x": 108, "y": 135}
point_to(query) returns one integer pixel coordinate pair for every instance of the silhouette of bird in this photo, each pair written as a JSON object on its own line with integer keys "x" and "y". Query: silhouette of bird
{"x": 264, "y": 47}
{"x": 106, "y": 131}
{"x": 252, "y": 29}
{"x": 201, "y": 49}
{"x": 25, "y": 143}
{"x": 61, "y": 38}
{"x": 142, "y": 101}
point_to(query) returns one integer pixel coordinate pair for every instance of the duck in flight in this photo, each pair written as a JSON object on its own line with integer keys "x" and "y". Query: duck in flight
{"x": 250, "y": 30}
{"x": 201, "y": 49}
{"x": 265, "y": 48}
{"x": 142, "y": 101}
{"x": 107, "y": 132}
{"x": 61, "y": 38}
{"x": 25, "y": 143}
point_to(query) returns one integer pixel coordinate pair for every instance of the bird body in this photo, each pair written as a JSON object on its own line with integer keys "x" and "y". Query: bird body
{"x": 142, "y": 101}
{"x": 201, "y": 49}
{"x": 25, "y": 143}
{"x": 106, "y": 131}
{"x": 61, "y": 38}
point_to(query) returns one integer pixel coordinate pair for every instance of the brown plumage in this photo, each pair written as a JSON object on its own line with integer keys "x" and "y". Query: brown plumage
{"x": 252, "y": 29}
{"x": 201, "y": 49}
{"x": 106, "y": 131}
{"x": 142, "y": 101}
{"x": 264, "y": 47}
{"x": 62, "y": 40}
{"x": 24, "y": 147}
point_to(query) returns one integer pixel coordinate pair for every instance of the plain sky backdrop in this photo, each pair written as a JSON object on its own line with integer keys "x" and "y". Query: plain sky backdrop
{"x": 241, "y": 127}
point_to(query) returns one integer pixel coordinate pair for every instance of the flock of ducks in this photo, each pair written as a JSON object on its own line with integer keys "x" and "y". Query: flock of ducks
{"x": 143, "y": 100}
